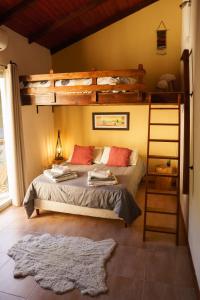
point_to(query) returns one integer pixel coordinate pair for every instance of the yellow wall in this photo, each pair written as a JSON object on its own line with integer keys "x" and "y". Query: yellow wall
{"x": 76, "y": 127}
{"x": 129, "y": 42}
{"x": 75, "y": 124}
{"x": 121, "y": 45}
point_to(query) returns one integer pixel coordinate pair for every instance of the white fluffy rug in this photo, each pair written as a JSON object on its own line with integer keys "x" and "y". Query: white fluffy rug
{"x": 62, "y": 263}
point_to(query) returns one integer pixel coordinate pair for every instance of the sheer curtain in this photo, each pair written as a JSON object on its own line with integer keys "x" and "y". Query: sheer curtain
{"x": 12, "y": 122}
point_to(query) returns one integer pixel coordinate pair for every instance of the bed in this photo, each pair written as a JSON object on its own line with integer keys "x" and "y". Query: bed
{"x": 84, "y": 88}
{"x": 76, "y": 197}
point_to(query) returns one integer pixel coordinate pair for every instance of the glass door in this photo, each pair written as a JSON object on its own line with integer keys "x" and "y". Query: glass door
{"x": 3, "y": 169}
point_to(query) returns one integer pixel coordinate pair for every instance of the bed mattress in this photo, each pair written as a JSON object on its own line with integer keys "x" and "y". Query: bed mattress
{"x": 120, "y": 198}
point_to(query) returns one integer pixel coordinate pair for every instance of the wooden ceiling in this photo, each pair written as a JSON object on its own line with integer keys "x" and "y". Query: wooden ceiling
{"x": 56, "y": 24}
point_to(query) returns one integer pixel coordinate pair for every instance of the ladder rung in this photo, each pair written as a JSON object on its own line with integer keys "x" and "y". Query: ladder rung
{"x": 156, "y": 210}
{"x": 161, "y": 108}
{"x": 164, "y": 124}
{"x": 162, "y": 157}
{"x": 161, "y": 192}
{"x": 162, "y": 174}
{"x": 164, "y": 140}
{"x": 160, "y": 229}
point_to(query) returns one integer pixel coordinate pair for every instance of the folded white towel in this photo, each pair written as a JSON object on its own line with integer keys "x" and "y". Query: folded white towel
{"x": 59, "y": 178}
{"x": 60, "y": 169}
{"x": 96, "y": 182}
{"x": 53, "y": 174}
{"x": 99, "y": 174}
{"x": 64, "y": 177}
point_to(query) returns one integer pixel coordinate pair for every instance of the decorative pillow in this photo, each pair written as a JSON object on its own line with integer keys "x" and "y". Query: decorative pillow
{"x": 97, "y": 154}
{"x": 82, "y": 155}
{"x": 105, "y": 155}
{"x": 133, "y": 158}
{"x": 119, "y": 157}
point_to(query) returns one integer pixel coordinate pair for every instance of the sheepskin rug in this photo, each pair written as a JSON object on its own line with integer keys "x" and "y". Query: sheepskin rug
{"x": 61, "y": 263}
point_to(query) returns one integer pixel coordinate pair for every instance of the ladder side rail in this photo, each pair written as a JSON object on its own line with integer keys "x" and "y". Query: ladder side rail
{"x": 147, "y": 169}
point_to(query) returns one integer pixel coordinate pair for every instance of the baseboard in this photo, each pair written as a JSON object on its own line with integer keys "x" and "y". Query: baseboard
{"x": 197, "y": 288}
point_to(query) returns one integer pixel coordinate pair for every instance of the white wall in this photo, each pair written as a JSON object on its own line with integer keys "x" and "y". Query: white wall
{"x": 191, "y": 40}
{"x": 37, "y": 128}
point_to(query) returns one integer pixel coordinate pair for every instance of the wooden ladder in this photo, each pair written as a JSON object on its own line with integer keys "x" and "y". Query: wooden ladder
{"x": 175, "y": 106}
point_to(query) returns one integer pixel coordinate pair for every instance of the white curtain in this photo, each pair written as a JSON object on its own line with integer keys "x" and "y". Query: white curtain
{"x": 12, "y": 123}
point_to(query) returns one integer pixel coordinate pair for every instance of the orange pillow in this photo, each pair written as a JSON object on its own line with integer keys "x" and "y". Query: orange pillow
{"x": 119, "y": 157}
{"x": 82, "y": 155}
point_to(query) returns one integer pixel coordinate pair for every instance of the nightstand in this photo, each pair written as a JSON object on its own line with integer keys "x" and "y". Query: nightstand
{"x": 164, "y": 183}
{"x": 58, "y": 161}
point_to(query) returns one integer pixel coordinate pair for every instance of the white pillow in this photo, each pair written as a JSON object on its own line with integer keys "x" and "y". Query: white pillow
{"x": 105, "y": 155}
{"x": 133, "y": 158}
{"x": 97, "y": 154}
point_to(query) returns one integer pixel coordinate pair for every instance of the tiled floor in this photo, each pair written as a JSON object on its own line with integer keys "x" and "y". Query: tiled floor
{"x": 155, "y": 270}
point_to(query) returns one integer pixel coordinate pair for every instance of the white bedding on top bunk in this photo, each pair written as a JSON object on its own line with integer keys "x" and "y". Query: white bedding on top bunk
{"x": 77, "y": 82}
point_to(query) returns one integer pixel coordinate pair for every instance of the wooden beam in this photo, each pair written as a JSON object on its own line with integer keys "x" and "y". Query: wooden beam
{"x": 6, "y": 16}
{"x": 63, "y": 20}
{"x": 102, "y": 25}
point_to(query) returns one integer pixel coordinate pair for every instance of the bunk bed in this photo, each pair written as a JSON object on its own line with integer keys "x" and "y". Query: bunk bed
{"x": 91, "y": 88}
{"x": 84, "y": 88}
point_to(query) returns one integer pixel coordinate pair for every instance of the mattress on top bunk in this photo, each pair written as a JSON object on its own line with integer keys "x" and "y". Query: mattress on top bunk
{"x": 120, "y": 197}
{"x": 78, "y": 82}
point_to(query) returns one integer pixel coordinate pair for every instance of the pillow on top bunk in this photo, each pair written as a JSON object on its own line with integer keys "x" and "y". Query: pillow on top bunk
{"x": 108, "y": 80}
{"x": 119, "y": 157}
{"x": 127, "y": 80}
{"x": 132, "y": 160}
{"x": 82, "y": 155}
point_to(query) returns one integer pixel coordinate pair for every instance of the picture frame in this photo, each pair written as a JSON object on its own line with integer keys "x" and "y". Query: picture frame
{"x": 110, "y": 120}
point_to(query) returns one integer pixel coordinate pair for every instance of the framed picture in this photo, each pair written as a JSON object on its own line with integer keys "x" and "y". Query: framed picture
{"x": 110, "y": 121}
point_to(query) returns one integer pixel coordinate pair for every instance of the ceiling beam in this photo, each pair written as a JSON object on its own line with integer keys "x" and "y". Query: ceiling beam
{"x": 102, "y": 25}
{"x": 6, "y": 16}
{"x": 63, "y": 20}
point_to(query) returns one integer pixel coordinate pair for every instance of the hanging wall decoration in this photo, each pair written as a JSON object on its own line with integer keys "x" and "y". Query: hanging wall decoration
{"x": 161, "y": 34}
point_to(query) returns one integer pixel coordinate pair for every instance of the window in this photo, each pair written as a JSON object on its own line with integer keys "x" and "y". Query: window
{"x": 4, "y": 196}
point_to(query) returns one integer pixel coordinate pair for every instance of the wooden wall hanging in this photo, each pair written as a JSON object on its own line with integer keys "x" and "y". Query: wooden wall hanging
{"x": 161, "y": 35}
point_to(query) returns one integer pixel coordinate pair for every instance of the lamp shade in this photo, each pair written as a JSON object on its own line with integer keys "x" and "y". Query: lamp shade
{"x": 3, "y": 39}
{"x": 58, "y": 154}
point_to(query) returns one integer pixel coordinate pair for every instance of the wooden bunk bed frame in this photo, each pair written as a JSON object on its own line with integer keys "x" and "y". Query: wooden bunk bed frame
{"x": 95, "y": 93}
{"x": 104, "y": 95}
